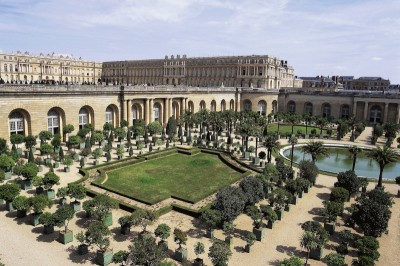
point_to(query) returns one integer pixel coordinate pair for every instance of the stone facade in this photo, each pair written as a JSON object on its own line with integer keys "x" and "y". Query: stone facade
{"x": 23, "y": 68}
{"x": 255, "y": 71}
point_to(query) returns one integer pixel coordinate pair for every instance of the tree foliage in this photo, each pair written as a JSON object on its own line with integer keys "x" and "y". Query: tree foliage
{"x": 230, "y": 201}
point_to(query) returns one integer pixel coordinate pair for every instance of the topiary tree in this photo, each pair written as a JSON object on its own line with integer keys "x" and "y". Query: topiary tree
{"x": 21, "y": 204}
{"x": 368, "y": 246}
{"x": 98, "y": 137}
{"x": 97, "y": 234}
{"x": 332, "y": 209}
{"x": 252, "y": 188}
{"x": 44, "y": 136}
{"x": 339, "y": 194}
{"x": 39, "y": 202}
{"x": 50, "y": 179}
{"x": 63, "y": 216}
{"x": 30, "y": 142}
{"x": 73, "y": 141}
{"x": 120, "y": 133}
{"x": 254, "y": 213}
{"x": 62, "y": 193}
{"x": 3, "y": 146}
{"x": 68, "y": 129}
{"x": 29, "y": 171}
{"x": 17, "y": 139}
{"x": 230, "y": 202}
{"x": 293, "y": 261}
{"x": 180, "y": 237}
{"x": 154, "y": 128}
{"x": 145, "y": 251}
{"x": 211, "y": 218}
{"x": 76, "y": 191}
{"x": 171, "y": 127}
{"x": 308, "y": 170}
{"x": 279, "y": 198}
{"x": 198, "y": 250}
{"x": 6, "y": 163}
{"x": 334, "y": 259}
{"x": 100, "y": 207}
{"x": 348, "y": 180}
{"x": 219, "y": 253}
{"x": 163, "y": 231}
{"x": 269, "y": 214}
{"x": 121, "y": 257}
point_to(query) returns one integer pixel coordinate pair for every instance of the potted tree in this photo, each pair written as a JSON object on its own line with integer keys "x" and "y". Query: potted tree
{"x": 49, "y": 180}
{"x": 211, "y": 218}
{"x": 120, "y": 152}
{"x": 314, "y": 239}
{"x": 278, "y": 199}
{"x": 68, "y": 130}
{"x": 125, "y": 222}
{"x": 44, "y": 136}
{"x": 219, "y": 253}
{"x": 257, "y": 217}
{"x": 228, "y": 228}
{"x": 37, "y": 182}
{"x": 121, "y": 257}
{"x": 30, "y": 143}
{"x": 6, "y": 164}
{"x": 250, "y": 239}
{"x": 99, "y": 208}
{"x": 96, "y": 155}
{"x": 21, "y": 204}
{"x": 163, "y": 231}
{"x": 83, "y": 247}
{"x": 8, "y": 192}
{"x": 46, "y": 150}
{"x": 62, "y": 217}
{"x": 28, "y": 171}
{"x": 331, "y": 211}
{"x": 97, "y": 234}
{"x": 180, "y": 237}
{"x": 67, "y": 162}
{"x": 38, "y": 203}
{"x": 77, "y": 192}
{"x": 17, "y": 139}
{"x": 198, "y": 250}
{"x": 62, "y": 193}
{"x": 47, "y": 219}
{"x": 143, "y": 218}
{"x": 269, "y": 215}
{"x": 56, "y": 142}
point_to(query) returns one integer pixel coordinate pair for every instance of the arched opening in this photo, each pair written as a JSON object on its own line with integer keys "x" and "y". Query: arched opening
{"x": 291, "y": 107}
{"x": 191, "y": 106}
{"x": 84, "y": 117}
{"x": 344, "y": 111}
{"x": 18, "y": 122}
{"x": 136, "y": 111}
{"x": 175, "y": 110}
{"x": 308, "y": 108}
{"x": 326, "y": 110}
{"x": 232, "y": 105}
{"x": 213, "y": 106}
{"x": 110, "y": 115}
{"x": 274, "y": 106}
{"x": 247, "y": 105}
{"x": 375, "y": 114}
{"x": 202, "y": 105}
{"x": 54, "y": 121}
{"x": 223, "y": 105}
{"x": 157, "y": 112}
{"x": 262, "y": 108}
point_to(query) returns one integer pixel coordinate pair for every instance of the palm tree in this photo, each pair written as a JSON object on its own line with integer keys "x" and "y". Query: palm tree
{"x": 321, "y": 122}
{"x": 315, "y": 149}
{"x": 354, "y": 150}
{"x": 272, "y": 144}
{"x": 383, "y": 156}
{"x": 308, "y": 241}
{"x": 293, "y": 141}
{"x": 292, "y": 119}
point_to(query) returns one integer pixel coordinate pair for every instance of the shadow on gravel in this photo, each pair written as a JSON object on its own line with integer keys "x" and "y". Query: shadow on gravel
{"x": 290, "y": 251}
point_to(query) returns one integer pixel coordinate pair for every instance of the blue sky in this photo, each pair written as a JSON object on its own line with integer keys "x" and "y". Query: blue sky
{"x": 316, "y": 37}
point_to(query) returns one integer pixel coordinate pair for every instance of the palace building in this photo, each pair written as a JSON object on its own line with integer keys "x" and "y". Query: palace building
{"x": 23, "y": 68}
{"x": 154, "y": 90}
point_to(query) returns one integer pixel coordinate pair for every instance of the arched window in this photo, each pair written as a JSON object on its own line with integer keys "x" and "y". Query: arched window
{"x": 156, "y": 112}
{"x": 375, "y": 115}
{"x": 16, "y": 123}
{"x": 345, "y": 111}
{"x": 191, "y": 106}
{"x": 202, "y": 105}
{"x": 274, "y": 106}
{"x": 135, "y": 115}
{"x": 326, "y": 110}
{"x": 109, "y": 115}
{"x": 223, "y": 105}
{"x": 247, "y": 105}
{"x": 262, "y": 108}
{"x": 213, "y": 106}
{"x": 53, "y": 122}
{"x": 232, "y": 105}
{"x": 308, "y": 108}
{"x": 291, "y": 107}
{"x": 175, "y": 110}
{"x": 83, "y": 117}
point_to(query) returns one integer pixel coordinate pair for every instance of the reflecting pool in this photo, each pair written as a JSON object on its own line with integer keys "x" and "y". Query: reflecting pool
{"x": 341, "y": 160}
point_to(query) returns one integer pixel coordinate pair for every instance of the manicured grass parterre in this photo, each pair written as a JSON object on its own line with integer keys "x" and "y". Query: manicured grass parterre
{"x": 191, "y": 178}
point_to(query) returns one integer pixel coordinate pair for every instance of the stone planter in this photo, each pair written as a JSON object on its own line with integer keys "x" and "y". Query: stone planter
{"x": 104, "y": 257}
{"x": 83, "y": 249}
{"x": 163, "y": 244}
{"x": 247, "y": 248}
{"x": 7, "y": 175}
{"x": 48, "y": 229}
{"x": 330, "y": 227}
{"x": 76, "y": 205}
{"x": 198, "y": 262}
{"x": 287, "y": 208}
{"x": 21, "y": 213}
{"x": 35, "y": 219}
{"x": 108, "y": 220}
{"x": 259, "y": 233}
{"x": 256, "y": 161}
{"x": 67, "y": 169}
{"x": 270, "y": 225}
{"x": 51, "y": 194}
{"x": 181, "y": 254}
{"x": 125, "y": 229}
{"x": 96, "y": 162}
{"x": 65, "y": 237}
{"x": 316, "y": 254}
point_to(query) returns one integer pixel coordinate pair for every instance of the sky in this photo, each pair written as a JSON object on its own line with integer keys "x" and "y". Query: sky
{"x": 316, "y": 37}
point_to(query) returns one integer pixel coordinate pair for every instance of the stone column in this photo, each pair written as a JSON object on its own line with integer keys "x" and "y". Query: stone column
{"x": 146, "y": 112}
{"x": 398, "y": 114}
{"x": 170, "y": 107}
{"x": 385, "y": 113}
{"x": 365, "y": 111}
{"x": 151, "y": 103}
{"x": 237, "y": 108}
{"x": 182, "y": 107}
{"x": 128, "y": 111}
{"x": 355, "y": 108}
{"x": 166, "y": 111}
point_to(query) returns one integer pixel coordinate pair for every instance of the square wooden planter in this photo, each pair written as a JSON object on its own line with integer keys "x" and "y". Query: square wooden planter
{"x": 316, "y": 254}
{"x": 51, "y": 194}
{"x": 35, "y": 219}
{"x": 83, "y": 249}
{"x": 259, "y": 233}
{"x": 330, "y": 227}
{"x": 181, "y": 254}
{"x": 65, "y": 237}
{"x": 104, "y": 257}
{"x": 76, "y": 205}
{"x": 280, "y": 214}
{"x": 108, "y": 220}
{"x": 9, "y": 206}
{"x": 210, "y": 234}
{"x": 48, "y": 229}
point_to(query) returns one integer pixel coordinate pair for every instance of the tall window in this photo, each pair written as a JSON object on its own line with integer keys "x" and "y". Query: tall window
{"x": 202, "y": 105}
{"x": 16, "y": 123}
{"x": 53, "y": 122}
{"x": 134, "y": 114}
{"x": 345, "y": 111}
{"x": 291, "y": 107}
{"x": 326, "y": 110}
{"x": 109, "y": 116}
{"x": 375, "y": 115}
{"x": 247, "y": 105}
{"x": 262, "y": 108}
{"x": 213, "y": 106}
{"x": 156, "y": 112}
{"x": 308, "y": 108}
{"x": 83, "y": 117}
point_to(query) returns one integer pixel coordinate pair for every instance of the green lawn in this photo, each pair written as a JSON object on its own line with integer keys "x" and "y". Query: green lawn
{"x": 188, "y": 177}
{"x": 288, "y": 129}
